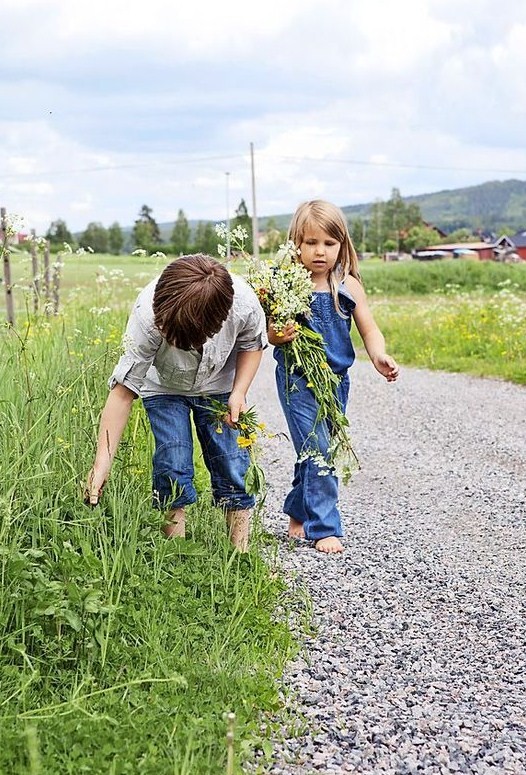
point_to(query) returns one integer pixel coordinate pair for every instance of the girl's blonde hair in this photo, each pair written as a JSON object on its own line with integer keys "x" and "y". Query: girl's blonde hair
{"x": 331, "y": 219}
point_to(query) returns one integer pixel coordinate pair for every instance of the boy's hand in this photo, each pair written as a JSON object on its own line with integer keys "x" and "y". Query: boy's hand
{"x": 387, "y": 366}
{"x": 237, "y": 404}
{"x": 94, "y": 487}
{"x": 287, "y": 333}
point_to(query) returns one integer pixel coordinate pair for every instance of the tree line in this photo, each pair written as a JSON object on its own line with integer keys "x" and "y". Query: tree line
{"x": 146, "y": 234}
{"x": 391, "y": 225}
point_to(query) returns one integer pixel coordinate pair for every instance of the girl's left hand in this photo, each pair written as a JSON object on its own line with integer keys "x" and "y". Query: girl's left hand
{"x": 387, "y": 366}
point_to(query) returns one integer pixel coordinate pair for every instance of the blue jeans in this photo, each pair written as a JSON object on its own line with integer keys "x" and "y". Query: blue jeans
{"x": 313, "y": 499}
{"x": 173, "y": 466}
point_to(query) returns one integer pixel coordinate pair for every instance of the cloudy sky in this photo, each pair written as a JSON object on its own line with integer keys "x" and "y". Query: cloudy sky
{"x": 107, "y": 105}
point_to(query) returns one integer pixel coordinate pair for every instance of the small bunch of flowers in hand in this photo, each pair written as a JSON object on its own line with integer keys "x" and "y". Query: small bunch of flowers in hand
{"x": 250, "y": 428}
{"x": 284, "y": 289}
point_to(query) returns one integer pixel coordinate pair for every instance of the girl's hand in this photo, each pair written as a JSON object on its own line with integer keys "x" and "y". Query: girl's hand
{"x": 387, "y": 366}
{"x": 287, "y": 333}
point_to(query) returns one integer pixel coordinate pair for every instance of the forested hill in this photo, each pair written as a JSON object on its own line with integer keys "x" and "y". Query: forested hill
{"x": 492, "y": 205}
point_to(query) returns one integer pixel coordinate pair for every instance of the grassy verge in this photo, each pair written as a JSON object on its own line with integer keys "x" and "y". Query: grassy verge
{"x": 459, "y": 316}
{"x": 421, "y": 278}
{"x": 120, "y": 652}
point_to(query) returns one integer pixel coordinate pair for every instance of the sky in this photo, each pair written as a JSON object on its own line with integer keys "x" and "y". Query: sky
{"x": 108, "y": 105}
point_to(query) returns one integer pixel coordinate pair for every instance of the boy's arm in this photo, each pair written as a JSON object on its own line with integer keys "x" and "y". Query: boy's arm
{"x": 371, "y": 335}
{"x": 247, "y": 364}
{"x": 112, "y": 423}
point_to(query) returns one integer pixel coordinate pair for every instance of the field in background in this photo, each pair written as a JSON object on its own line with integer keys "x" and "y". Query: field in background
{"x": 464, "y": 316}
{"x": 455, "y": 315}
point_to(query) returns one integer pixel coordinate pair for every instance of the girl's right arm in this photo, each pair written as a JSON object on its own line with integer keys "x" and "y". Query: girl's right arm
{"x": 112, "y": 423}
{"x": 287, "y": 334}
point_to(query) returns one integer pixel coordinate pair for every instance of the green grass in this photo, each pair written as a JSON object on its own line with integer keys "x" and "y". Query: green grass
{"x": 483, "y": 334}
{"x": 120, "y": 651}
{"x": 421, "y": 278}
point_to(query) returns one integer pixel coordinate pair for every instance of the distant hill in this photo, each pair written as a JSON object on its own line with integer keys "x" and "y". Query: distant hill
{"x": 488, "y": 206}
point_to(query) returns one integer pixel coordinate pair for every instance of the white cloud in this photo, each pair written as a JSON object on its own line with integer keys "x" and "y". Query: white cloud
{"x": 112, "y": 105}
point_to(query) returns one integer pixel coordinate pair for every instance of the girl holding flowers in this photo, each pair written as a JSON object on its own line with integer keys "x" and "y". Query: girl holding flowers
{"x": 314, "y": 396}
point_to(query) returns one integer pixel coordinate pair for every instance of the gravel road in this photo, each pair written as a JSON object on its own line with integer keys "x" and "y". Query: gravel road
{"x": 418, "y": 662}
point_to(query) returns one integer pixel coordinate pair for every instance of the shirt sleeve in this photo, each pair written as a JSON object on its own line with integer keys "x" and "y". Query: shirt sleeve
{"x": 141, "y": 342}
{"x": 253, "y": 335}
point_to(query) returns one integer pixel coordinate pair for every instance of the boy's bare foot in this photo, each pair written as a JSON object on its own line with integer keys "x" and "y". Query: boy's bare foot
{"x": 296, "y": 529}
{"x": 174, "y": 526}
{"x": 329, "y": 545}
{"x": 238, "y": 528}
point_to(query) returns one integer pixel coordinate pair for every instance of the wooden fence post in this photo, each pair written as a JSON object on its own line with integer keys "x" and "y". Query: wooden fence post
{"x": 35, "y": 267}
{"x": 47, "y": 277}
{"x": 9, "y": 305}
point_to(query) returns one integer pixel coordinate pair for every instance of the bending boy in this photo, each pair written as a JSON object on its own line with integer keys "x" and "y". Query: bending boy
{"x": 195, "y": 332}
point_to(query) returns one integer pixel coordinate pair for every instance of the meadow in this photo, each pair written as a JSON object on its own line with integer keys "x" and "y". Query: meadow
{"x": 460, "y": 316}
{"x": 121, "y": 652}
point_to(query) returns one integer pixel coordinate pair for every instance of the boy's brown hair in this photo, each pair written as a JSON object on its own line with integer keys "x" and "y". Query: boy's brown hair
{"x": 192, "y": 299}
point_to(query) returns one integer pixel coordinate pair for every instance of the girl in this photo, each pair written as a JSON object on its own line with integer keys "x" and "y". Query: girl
{"x": 319, "y": 231}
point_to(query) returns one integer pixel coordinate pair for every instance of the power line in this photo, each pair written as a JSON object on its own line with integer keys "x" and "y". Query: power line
{"x": 360, "y": 162}
{"x": 111, "y": 167}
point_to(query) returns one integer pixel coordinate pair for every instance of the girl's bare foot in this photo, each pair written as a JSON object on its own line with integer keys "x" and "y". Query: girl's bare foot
{"x": 238, "y": 523}
{"x": 329, "y": 545}
{"x": 174, "y": 526}
{"x": 296, "y": 529}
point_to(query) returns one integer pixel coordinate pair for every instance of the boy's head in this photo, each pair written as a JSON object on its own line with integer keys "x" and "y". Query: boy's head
{"x": 192, "y": 299}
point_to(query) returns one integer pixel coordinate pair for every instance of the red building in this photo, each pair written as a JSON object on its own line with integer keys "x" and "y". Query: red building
{"x": 514, "y": 244}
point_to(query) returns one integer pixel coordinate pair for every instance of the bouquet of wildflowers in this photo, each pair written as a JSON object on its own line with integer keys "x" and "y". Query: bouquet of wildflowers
{"x": 249, "y": 429}
{"x": 284, "y": 289}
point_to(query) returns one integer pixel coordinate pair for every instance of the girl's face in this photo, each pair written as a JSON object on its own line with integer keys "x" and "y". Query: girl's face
{"x": 318, "y": 252}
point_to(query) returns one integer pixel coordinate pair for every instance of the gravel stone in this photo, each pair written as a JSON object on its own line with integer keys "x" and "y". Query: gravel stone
{"x": 416, "y": 661}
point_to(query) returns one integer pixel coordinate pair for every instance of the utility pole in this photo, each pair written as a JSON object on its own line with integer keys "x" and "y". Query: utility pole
{"x": 255, "y": 226}
{"x": 228, "y": 251}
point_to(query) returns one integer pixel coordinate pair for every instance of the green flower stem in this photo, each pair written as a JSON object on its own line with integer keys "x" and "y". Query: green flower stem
{"x": 306, "y": 355}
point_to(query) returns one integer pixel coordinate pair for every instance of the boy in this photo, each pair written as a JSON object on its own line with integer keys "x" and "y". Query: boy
{"x": 196, "y": 331}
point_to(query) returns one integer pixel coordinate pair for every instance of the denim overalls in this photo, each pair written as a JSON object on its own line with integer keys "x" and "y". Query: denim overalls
{"x": 313, "y": 499}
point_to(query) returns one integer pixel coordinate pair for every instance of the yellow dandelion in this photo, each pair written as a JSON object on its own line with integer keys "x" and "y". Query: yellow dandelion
{"x": 243, "y": 442}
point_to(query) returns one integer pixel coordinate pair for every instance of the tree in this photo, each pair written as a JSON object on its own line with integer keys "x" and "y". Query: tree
{"x": 244, "y": 220}
{"x": 357, "y": 231}
{"x": 375, "y": 232}
{"x": 461, "y": 235}
{"x": 95, "y": 237}
{"x": 58, "y": 233}
{"x": 146, "y": 232}
{"x": 273, "y": 237}
{"x": 181, "y": 234}
{"x": 419, "y": 237}
{"x": 205, "y": 238}
{"x": 115, "y": 239}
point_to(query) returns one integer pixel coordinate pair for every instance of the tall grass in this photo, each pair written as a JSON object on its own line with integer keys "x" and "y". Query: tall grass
{"x": 120, "y": 651}
{"x": 421, "y": 278}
